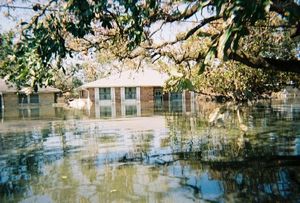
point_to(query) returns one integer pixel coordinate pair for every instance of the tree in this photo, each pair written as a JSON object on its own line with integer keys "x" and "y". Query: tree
{"x": 125, "y": 27}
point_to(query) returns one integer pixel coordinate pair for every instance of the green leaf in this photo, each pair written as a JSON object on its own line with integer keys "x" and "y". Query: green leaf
{"x": 201, "y": 69}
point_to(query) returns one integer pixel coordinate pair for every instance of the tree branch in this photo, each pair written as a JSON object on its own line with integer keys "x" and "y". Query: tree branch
{"x": 291, "y": 65}
{"x": 200, "y": 25}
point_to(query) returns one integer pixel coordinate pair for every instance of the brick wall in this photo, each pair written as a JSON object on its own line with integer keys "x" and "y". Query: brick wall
{"x": 188, "y": 101}
{"x": 147, "y": 102}
{"x": 118, "y": 94}
{"x": 147, "y": 94}
{"x": 118, "y": 100}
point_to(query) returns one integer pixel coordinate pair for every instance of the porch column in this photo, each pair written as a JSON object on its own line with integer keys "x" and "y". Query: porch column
{"x": 113, "y": 102}
{"x": 138, "y": 94}
{"x": 113, "y": 95}
{"x": 138, "y": 109}
{"x": 122, "y": 94}
{"x": 122, "y": 89}
{"x": 96, "y": 90}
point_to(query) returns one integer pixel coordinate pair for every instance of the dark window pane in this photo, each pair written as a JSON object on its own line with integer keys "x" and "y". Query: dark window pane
{"x": 176, "y": 96}
{"x": 23, "y": 113}
{"x": 23, "y": 99}
{"x": 176, "y": 101}
{"x": 34, "y": 98}
{"x": 104, "y": 94}
{"x": 130, "y": 110}
{"x": 105, "y": 111}
{"x": 130, "y": 92}
{"x": 35, "y": 112}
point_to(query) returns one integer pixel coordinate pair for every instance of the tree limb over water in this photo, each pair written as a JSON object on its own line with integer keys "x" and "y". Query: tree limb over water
{"x": 261, "y": 35}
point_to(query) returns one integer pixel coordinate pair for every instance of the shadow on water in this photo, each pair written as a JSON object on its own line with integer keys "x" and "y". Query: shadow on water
{"x": 164, "y": 154}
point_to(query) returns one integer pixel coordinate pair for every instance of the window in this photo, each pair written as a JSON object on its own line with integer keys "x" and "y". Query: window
{"x": 35, "y": 112}
{"x": 23, "y": 98}
{"x": 23, "y": 113}
{"x": 130, "y": 93}
{"x": 176, "y": 101}
{"x": 34, "y": 98}
{"x": 131, "y": 110}
{"x": 104, "y": 94}
{"x": 31, "y": 99}
{"x": 176, "y": 96}
{"x": 105, "y": 111}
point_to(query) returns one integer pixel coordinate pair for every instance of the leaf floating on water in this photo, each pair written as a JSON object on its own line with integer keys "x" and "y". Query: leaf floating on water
{"x": 64, "y": 177}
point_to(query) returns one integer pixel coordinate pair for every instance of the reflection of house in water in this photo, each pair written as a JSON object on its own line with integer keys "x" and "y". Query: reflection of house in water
{"x": 134, "y": 93}
{"x": 17, "y": 103}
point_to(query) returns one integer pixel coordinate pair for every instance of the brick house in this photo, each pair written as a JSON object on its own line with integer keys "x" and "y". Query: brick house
{"x": 134, "y": 93}
{"x": 13, "y": 101}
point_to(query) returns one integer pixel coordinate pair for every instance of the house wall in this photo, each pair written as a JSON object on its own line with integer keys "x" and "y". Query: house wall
{"x": 118, "y": 100}
{"x": 188, "y": 101}
{"x": 11, "y": 100}
{"x": 46, "y": 98}
{"x": 88, "y": 92}
{"x": 147, "y": 100}
{"x": 44, "y": 108}
{"x": 92, "y": 94}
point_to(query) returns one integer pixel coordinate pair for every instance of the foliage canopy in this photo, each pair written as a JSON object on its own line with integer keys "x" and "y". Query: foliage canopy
{"x": 261, "y": 34}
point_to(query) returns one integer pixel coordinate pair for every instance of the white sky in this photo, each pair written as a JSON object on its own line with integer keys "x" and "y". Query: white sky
{"x": 8, "y": 23}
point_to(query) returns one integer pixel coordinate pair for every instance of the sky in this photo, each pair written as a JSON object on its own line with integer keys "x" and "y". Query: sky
{"x": 167, "y": 32}
{"x": 8, "y": 23}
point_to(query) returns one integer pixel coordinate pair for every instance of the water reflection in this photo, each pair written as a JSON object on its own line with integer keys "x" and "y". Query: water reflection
{"x": 166, "y": 157}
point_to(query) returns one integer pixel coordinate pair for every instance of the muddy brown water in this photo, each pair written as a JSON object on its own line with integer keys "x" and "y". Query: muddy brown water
{"x": 164, "y": 156}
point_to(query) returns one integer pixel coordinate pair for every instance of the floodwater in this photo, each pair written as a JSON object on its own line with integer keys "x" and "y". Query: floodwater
{"x": 166, "y": 156}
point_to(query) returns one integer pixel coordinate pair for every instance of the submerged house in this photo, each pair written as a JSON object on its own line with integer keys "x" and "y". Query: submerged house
{"x": 12, "y": 99}
{"x": 134, "y": 93}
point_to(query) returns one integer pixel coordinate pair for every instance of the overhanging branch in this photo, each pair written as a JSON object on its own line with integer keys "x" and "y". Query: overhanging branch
{"x": 290, "y": 65}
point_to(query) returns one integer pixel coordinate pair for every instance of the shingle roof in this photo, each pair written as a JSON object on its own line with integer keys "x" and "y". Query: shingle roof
{"x": 131, "y": 78}
{"x": 7, "y": 87}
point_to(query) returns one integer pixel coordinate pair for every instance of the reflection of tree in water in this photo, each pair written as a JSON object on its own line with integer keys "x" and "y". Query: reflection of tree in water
{"x": 259, "y": 180}
{"x": 71, "y": 156}
{"x": 28, "y": 157}
{"x": 261, "y": 166}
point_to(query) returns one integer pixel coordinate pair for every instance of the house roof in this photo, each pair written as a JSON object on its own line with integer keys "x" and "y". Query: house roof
{"x": 131, "y": 78}
{"x": 6, "y": 87}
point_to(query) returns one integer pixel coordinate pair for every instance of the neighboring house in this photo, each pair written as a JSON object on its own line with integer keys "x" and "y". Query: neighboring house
{"x": 133, "y": 93}
{"x": 11, "y": 99}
